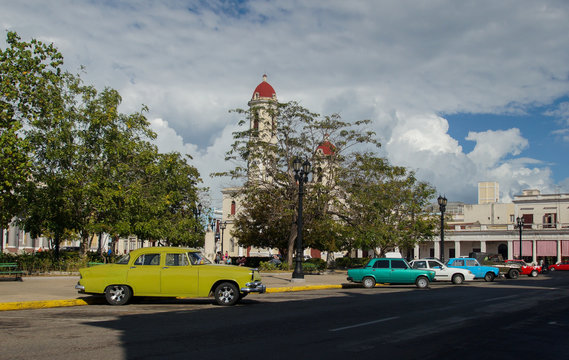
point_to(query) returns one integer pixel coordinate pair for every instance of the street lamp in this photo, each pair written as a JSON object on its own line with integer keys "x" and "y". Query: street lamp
{"x": 222, "y": 226}
{"x": 301, "y": 171}
{"x": 442, "y": 206}
{"x": 520, "y": 221}
{"x": 197, "y": 213}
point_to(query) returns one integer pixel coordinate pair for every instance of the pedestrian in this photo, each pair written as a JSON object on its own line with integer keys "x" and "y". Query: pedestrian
{"x": 218, "y": 257}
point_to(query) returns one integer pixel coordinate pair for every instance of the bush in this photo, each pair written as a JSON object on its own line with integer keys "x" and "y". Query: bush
{"x": 347, "y": 262}
{"x": 320, "y": 264}
{"x": 45, "y": 261}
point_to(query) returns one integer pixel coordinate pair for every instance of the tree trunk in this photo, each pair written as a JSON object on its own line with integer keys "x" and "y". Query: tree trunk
{"x": 291, "y": 241}
{"x": 84, "y": 244}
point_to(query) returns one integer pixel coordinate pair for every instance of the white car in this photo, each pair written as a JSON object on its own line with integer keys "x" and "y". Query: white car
{"x": 442, "y": 272}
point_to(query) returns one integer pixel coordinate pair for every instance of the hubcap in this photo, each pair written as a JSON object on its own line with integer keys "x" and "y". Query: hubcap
{"x": 117, "y": 293}
{"x": 226, "y": 294}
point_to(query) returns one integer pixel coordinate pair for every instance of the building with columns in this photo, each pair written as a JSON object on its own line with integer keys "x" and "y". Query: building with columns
{"x": 492, "y": 228}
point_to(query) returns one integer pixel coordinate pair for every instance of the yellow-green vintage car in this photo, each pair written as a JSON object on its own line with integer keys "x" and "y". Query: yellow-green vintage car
{"x": 169, "y": 272}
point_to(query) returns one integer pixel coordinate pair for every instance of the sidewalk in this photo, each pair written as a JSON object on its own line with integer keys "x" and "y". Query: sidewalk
{"x": 36, "y": 292}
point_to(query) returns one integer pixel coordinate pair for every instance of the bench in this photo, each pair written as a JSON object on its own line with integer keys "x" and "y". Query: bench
{"x": 11, "y": 269}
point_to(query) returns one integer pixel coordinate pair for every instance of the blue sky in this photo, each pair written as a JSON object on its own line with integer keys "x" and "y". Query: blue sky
{"x": 481, "y": 88}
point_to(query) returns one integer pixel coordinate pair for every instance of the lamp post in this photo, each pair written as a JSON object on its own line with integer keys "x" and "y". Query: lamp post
{"x": 301, "y": 171}
{"x": 442, "y": 206}
{"x": 197, "y": 213}
{"x": 520, "y": 223}
{"x": 222, "y": 226}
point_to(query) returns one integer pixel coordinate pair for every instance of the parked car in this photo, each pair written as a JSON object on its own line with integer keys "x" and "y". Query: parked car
{"x": 169, "y": 272}
{"x": 510, "y": 270}
{"x": 487, "y": 273}
{"x": 559, "y": 266}
{"x": 442, "y": 272}
{"x": 525, "y": 268}
{"x": 390, "y": 271}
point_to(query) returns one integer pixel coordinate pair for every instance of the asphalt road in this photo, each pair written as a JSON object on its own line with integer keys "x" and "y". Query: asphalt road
{"x": 506, "y": 319}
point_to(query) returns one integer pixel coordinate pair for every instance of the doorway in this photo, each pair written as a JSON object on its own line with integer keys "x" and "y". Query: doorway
{"x": 503, "y": 250}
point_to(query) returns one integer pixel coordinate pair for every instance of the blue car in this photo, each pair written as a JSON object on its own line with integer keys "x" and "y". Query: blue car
{"x": 488, "y": 273}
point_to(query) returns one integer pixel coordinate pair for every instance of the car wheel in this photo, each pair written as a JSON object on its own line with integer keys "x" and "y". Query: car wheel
{"x": 457, "y": 279}
{"x": 118, "y": 294}
{"x": 422, "y": 282}
{"x": 533, "y": 273}
{"x": 489, "y": 277}
{"x": 226, "y": 294}
{"x": 513, "y": 274}
{"x": 552, "y": 269}
{"x": 368, "y": 282}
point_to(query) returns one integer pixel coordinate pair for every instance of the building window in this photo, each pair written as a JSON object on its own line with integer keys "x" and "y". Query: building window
{"x": 549, "y": 220}
{"x": 451, "y": 253}
{"x": 233, "y": 207}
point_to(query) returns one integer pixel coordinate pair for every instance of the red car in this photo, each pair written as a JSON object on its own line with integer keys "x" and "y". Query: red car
{"x": 559, "y": 266}
{"x": 525, "y": 268}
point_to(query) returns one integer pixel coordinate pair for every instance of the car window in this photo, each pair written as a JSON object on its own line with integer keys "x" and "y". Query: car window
{"x": 420, "y": 264}
{"x": 124, "y": 259}
{"x": 398, "y": 264}
{"x": 434, "y": 264}
{"x": 196, "y": 258}
{"x": 458, "y": 262}
{"x": 381, "y": 264}
{"x": 148, "y": 259}
{"x": 177, "y": 260}
{"x": 471, "y": 262}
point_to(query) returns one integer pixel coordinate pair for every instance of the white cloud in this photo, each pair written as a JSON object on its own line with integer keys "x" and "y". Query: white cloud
{"x": 400, "y": 64}
{"x": 492, "y": 146}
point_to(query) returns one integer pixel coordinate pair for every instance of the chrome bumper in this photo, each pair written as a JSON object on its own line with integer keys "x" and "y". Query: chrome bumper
{"x": 255, "y": 286}
{"x": 81, "y": 288}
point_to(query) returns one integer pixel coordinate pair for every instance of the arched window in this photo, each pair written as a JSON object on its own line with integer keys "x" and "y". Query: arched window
{"x": 233, "y": 207}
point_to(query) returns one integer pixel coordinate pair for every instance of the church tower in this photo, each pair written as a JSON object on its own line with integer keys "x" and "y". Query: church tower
{"x": 262, "y": 108}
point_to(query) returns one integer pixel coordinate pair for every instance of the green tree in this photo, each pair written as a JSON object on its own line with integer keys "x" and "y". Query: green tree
{"x": 31, "y": 79}
{"x": 91, "y": 169}
{"x": 385, "y": 206}
{"x": 270, "y": 192}
{"x": 355, "y": 199}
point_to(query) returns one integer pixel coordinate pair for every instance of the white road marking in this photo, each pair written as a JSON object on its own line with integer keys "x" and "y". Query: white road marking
{"x": 364, "y": 324}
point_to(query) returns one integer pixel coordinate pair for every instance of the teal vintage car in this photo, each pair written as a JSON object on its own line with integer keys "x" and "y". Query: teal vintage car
{"x": 390, "y": 271}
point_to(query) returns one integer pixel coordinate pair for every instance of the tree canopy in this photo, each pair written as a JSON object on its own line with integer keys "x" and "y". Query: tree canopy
{"x": 74, "y": 165}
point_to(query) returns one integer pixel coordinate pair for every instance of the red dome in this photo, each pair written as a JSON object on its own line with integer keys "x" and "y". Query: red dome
{"x": 264, "y": 90}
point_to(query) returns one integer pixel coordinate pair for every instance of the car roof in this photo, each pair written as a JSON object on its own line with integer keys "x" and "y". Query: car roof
{"x": 162, "y": 249}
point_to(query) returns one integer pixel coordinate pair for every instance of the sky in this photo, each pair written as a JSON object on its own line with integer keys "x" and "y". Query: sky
{"x": 458, "y": 91}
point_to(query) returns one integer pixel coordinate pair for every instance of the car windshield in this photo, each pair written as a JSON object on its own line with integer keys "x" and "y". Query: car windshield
{"x": 197, "y": 258}
{"x": 124, "y": 259}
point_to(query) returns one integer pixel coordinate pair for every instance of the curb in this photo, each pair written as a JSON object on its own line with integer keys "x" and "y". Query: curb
{"x": 303, "y": 288}
{"x": 45, "y": 304}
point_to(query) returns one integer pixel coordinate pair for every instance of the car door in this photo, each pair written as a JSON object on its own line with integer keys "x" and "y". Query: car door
{"x": 475, "y": 268}
{"x": 179, "y": 277}
{"x": 144, "y": 275}
{"x": 400, "y": 272}
{"x": 441, "y": 272}
{"x": 381, "y": 271}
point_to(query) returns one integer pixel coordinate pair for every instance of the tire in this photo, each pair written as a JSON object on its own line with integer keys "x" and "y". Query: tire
{"x": 552, "y": 269}
{"x": 226, "y": 294}
{"x": 368, "y": 282}
{"x": 533, "y": 273}
{"x": 118, "y": 294}
{"x": 422, "y": 282}
{"x": 489, "y": 277}
{"x": 513, "y": 274}
{"x": 457, "y": 279}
